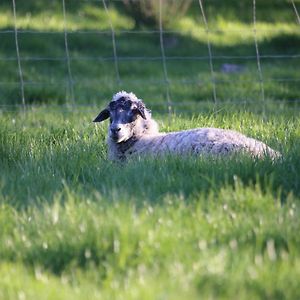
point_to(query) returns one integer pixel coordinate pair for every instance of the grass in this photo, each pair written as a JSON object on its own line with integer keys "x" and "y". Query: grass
{"x": 75, "y": 225}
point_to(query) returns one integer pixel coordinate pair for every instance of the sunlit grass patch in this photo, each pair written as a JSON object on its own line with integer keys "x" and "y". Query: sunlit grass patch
{"x": 87, "y": 18}
{"x": 229, "y": 33}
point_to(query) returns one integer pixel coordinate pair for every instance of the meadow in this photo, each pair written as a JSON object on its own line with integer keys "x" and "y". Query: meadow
{"x": 74, "y": 225}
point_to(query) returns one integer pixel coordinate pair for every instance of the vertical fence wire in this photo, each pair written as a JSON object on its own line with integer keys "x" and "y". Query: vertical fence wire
{"x": 261, "y": 81}
{"x": 212, "y": 72}
{"x": 296, "y": 11}
{"x": 113, "y": 38}
{"x": 163, "y": 58}
{"x": 18, "y": 56}
{"x": 70, "y": 77}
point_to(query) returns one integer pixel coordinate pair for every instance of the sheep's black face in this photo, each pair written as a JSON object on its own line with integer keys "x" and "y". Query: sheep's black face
{"x": 123, "y": 114}
{"x": 122, "y": 118}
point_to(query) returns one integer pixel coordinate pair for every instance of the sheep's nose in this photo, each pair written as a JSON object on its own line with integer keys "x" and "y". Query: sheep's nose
{"x": 115, "y": 130}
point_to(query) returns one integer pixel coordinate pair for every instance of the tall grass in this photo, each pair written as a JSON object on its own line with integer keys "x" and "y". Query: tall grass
{"x": 75, "y": 225}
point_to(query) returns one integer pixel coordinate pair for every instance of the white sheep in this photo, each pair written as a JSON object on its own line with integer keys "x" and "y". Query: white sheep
{"x": 132, "y": 131}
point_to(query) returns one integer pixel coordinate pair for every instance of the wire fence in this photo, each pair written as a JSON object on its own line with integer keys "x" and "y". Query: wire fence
{"x": 213, "y": 78}
{"x": 70, "y": 82}
{"x": 261, "y": 81}
{"x": 18, "y": 55}
{"x": 68, "y": 60}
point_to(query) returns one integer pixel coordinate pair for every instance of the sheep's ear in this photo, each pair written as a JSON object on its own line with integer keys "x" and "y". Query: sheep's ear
{"x": 141, "y": 110}
{"x": 103, "y": 115}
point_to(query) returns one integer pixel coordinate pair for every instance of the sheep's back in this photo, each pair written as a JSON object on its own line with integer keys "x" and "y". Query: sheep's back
{"x": 202, "y": 141}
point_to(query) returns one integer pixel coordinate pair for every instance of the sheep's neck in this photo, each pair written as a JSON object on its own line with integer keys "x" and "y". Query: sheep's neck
{"x": 125, "y": 146}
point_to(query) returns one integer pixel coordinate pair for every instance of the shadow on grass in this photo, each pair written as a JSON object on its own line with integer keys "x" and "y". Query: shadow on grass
{"x": 145, "y": 180}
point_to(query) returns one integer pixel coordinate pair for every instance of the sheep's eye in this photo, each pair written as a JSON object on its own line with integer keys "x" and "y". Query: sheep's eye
{"x": 135, "y": 111}
{"x": 132, "y": 115}
{"x": 127, "y": 105}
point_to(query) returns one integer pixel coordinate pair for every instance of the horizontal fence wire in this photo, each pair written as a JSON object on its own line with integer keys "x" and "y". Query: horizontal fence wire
{"x": 157, "y": 102}
{"x": 150, "y": 81}
{"x": 70, "y": 57}
{"x": 133, "y": 31}
{"x": 152, "y": 58}
{"x": 157, "y": 107}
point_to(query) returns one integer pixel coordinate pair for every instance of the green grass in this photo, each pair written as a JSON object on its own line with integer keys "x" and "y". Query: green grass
{"x": 74, "y": 225}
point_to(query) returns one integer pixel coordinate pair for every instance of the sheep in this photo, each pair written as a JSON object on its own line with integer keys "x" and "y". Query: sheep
{"x": 133, "y": 132}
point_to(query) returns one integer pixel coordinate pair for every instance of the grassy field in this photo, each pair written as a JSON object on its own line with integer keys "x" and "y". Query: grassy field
{"x": 74, "y": 225}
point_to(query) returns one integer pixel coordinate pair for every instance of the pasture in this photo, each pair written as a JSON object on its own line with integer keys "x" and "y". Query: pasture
{"x": 74, "y": 225}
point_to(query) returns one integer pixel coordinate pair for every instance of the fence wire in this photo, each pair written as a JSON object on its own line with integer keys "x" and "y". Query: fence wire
{"x": 261, "y": 81}
{"x": 213, "y": 77}
{"x": 163, "y": 58}
{"x": 151, "y": 58}
{"x": 166, "y": 81}
{"x": 18, "y": 55}
{"x": 296, "y": 11}
{"x": 113, "y": 39}
{"x": 70, "y": 77}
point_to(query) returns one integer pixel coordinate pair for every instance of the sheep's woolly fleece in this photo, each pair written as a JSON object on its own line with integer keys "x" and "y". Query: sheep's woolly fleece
{"x": 121, "y": 94}
{"x": 145, "y": 140}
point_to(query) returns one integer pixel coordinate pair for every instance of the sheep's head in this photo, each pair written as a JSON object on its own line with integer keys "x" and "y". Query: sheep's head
{"x": 124, "y": 112}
